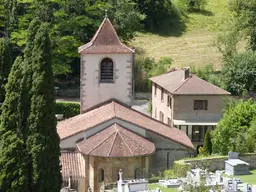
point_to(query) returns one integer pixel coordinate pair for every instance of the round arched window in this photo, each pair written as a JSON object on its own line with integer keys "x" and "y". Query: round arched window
{"x": 106, "y": 71}
{"x": 101, "y": 175}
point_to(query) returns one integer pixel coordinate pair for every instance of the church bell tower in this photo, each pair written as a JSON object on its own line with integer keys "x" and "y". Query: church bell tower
{"x": 106, "y": 69}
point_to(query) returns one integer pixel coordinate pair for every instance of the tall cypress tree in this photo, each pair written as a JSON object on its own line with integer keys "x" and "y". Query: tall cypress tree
{"x": 13, "y": 158}
{"x": 26, "y": 83}
{"x": 43, "y": 140}
{"x": 208, "y": 142}
{"x": 5, "y": 65}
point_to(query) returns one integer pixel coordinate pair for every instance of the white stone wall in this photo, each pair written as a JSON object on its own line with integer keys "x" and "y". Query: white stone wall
{"x": 93, "y": 92}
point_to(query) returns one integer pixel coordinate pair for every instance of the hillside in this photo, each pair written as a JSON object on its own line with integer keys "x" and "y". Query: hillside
{"x": 195, "y": 46}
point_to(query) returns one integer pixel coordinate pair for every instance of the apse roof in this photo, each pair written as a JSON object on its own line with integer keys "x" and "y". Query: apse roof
{"x": 116, "y": 141}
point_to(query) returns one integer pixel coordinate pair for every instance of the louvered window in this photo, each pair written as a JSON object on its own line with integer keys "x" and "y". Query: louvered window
{"x": 106, "y": 71}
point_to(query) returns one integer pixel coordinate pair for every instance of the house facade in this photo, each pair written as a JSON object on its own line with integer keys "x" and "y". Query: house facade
{"x": 109, "y": 135}
{"x": 184, "y": 101}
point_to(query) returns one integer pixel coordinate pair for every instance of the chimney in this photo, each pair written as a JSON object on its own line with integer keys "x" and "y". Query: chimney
{"x": 186, "y": 73}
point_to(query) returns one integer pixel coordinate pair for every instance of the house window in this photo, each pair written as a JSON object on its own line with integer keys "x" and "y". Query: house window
{"x": 169, "y": 121}
{"x": 106, "y": 71}
{"x": 162, "y": 94}
{"x": 155, "y": 112}
{"x": 155, "y": 89}
{"x": 169, "y": 101}
{"x": 200, "y": 104}
{"x": 161, "y": 116}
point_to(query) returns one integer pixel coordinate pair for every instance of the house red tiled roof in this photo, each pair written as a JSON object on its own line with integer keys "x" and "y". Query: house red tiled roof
{"x": 113, "y": 109}
{"x": 72, "y": 163}
{"x": 116, "y": 141}
{"x": 105, "y": 41}
{"x": 175, "y": 83}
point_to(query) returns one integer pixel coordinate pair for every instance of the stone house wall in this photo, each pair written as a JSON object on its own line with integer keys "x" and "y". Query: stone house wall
{"x": 160, "y": 105}
{"x": 184, "y": 108}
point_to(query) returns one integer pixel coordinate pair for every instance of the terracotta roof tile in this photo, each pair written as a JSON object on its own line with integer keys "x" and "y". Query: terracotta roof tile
{"x": 105, "y": 41}
{"x": 114, "y": 109}
{"x": 72, "y": 163}
{"x": 116, "y": 141}
{"x": 175, "y": 83}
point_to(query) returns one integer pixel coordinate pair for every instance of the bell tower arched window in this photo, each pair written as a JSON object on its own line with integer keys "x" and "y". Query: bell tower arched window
{"x": 106, "y": 71}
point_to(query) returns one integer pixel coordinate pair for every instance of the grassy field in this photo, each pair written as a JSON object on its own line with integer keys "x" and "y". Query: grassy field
{"x": 194, "y": 47}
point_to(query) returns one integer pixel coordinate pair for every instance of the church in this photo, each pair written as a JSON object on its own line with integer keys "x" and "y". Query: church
{"x": 109, "y": 135}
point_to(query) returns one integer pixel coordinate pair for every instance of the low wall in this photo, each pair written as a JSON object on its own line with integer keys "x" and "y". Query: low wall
{"x": 218, "y": 163}
{"x": 68, "y": 93}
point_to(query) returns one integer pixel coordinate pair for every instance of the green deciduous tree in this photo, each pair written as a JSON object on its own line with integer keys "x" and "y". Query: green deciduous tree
{"x": 233, "y": 127}
{"x": 239, "y": 73}
{"x": 245, "y": 14}
{"x": 43, "y": 140}
{"x": 5, "y": 65}
{"x": 13, "y": 158}
{"x": 126, "y": 18}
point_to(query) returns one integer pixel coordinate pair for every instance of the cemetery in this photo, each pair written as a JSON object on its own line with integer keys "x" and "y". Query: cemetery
{"x": 230, "y": 179}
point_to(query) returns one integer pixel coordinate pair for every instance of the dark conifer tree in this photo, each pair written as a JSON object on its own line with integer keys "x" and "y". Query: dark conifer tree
{"x": 5, "y": 65}
{"x": 208, "y": 142}
{"x": 13, "y": 158}
{"x": 26, "y": 83}
{"x": 43, "y": 140}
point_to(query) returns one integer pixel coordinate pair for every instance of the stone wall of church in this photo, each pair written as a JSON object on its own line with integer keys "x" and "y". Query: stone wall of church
{"x": 107, "y": 169}
{"x": 93, "y": 91}
{"x": 167, "y": 151}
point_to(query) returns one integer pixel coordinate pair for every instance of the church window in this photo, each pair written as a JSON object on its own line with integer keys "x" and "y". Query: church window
{"x": 137, "y": 173}
{"x": 101, "y": 175}
{"x": 106, "y": 71}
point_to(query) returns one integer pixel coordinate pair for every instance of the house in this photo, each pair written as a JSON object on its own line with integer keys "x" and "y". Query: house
{"x": 185, "y": 101}
{"x": 109, "y": 135}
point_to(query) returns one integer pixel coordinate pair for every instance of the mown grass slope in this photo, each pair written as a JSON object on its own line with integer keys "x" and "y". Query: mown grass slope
{"x": 194, "y": 47}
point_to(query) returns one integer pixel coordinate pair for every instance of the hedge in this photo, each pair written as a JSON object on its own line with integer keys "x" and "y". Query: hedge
{"x": 68, "y": 109}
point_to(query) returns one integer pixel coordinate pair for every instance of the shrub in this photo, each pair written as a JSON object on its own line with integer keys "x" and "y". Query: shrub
{"x": 68, "y": 109}
{"x": 196, "y": 5}
{"x": 180, "y": 169}
{"x": 146, "y": 67}
{"x": 149, "y": 109}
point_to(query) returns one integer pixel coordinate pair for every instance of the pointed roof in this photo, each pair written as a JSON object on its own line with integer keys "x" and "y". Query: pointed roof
{"x": 116, "y": 141}
{"x": 113, "y": 109}
{"x": 175, "y": 83}
{"x": 105, "y": 41}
